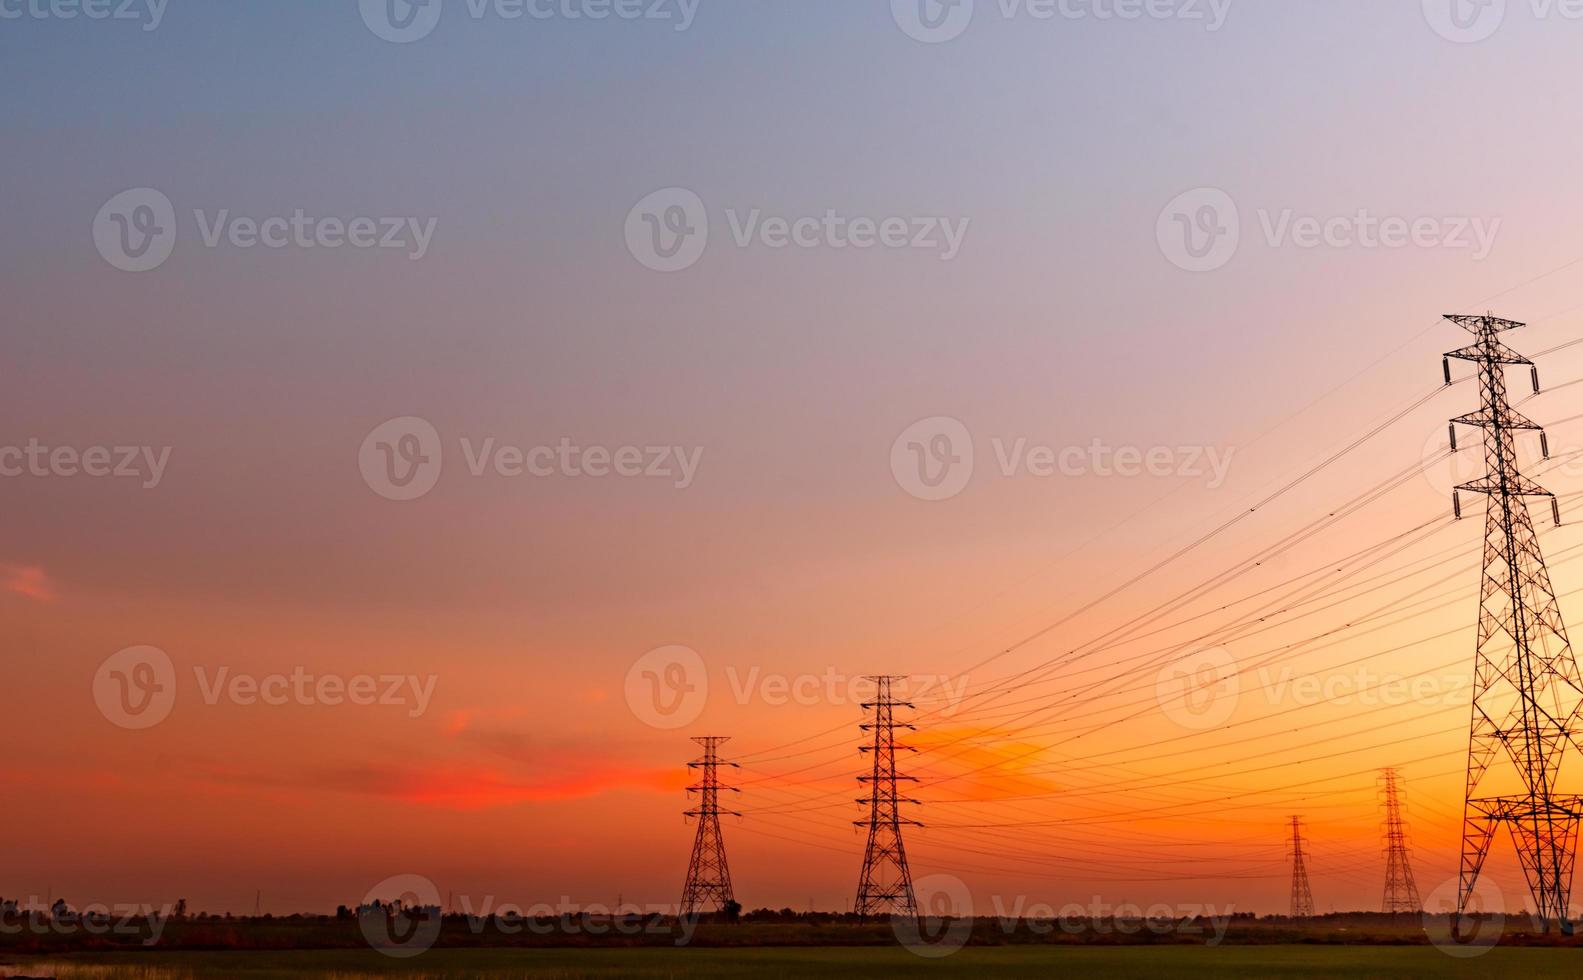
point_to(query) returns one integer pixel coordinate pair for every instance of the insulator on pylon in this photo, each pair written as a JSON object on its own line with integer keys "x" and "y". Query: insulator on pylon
{"x": 1536, "y": 379}
{"x": 1524, "y": 659}
{"x": 1453, "y": 428}
{"x": 1456, "y": 504}
{"x": 1544, "y": 444}
{"x": 1445, "y": 363}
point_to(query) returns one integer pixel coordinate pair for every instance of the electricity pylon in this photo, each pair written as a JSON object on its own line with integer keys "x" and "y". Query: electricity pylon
{"x": 1302, "y": 898}
{"x": 708, "y": 875}
{"x": 1401, "y": 890}
{"x": 885, "y": 883}
{"x": 1527, "y": 691}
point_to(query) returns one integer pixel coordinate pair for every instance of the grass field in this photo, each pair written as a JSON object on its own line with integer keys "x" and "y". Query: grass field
{"x": 1125, "y": 963}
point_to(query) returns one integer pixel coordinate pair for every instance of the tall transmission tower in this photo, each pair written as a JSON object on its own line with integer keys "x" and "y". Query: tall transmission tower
{"x": 708, "y": 875}
{"x": 1302, "y": 898}
{"x": 885, "y": 883}
{"x": 1401, "y": 890}
{"x": 1527, "y": 692}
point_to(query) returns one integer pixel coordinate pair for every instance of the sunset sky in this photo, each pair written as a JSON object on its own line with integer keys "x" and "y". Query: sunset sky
{"x": 795, "y": 549}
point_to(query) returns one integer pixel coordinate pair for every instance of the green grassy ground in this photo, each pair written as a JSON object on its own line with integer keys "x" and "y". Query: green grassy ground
{"x": 1123, "y": 963}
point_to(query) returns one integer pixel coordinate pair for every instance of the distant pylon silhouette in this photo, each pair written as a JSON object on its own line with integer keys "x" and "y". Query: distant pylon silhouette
{"x": 886, "y": 882}
{"x": 708, "y": 875}
{"x": 1527, "y": 692}
{"x": 1401, "y": 891}
{"x": 1302, "y": 898}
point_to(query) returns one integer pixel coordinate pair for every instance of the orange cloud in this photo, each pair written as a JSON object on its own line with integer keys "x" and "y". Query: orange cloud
{"x": 985, "y": 763}
{"x": 457, "y": 721}
{"x": 447, "y": 787}
{"x": 486, "y": 789}
{"x": 28, "y": 581}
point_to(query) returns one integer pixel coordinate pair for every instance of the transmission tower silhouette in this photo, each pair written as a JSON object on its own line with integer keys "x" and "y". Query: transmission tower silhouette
{"x": 1302, "y": 898}
{"x": 708, "y": 875}
{"x": 1526, "y": 688}
{"x": 1401, "y": 890}
{"x": 886, "y": 882}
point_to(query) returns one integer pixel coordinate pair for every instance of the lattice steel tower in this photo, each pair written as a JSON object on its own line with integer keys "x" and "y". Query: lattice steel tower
{"x": 1526, "y": 688}
{"x": 1401, "y": 890}
{"x": 1302, "y": 898}
{"x": 885, "y": 883}
{"x": 708, "y": 875}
